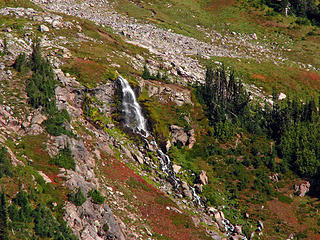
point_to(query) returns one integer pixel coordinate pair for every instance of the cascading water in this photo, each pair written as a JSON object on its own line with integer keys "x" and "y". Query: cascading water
{"x": 132, "y": 110}
{"x": 134, "y": 119}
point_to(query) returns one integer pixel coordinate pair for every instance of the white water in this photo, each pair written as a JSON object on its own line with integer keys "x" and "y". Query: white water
{"x": 134, "y": 119}
{"x": 133, "y": 114}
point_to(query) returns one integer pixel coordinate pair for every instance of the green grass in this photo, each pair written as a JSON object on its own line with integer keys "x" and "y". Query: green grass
{"x": 285, "y": 199}
{"x": 134, "y": 183}
{"x": 20, "y": 3}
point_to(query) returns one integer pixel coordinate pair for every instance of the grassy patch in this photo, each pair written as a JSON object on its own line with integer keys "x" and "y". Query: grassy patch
{"x": 285, "y": 199}
{"x": 136, "y": 184}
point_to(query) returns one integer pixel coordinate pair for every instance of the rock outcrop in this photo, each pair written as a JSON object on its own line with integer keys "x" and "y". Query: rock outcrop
{"x": 302, "y": 189}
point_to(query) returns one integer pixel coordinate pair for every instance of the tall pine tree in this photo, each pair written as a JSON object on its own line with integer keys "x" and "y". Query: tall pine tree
{"x": 4, "y": 231}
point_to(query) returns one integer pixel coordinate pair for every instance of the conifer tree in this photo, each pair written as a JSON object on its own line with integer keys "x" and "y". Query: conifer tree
{"x": 4, "y": 231}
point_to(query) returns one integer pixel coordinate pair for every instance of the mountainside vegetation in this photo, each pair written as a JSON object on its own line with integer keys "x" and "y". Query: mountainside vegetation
{"x": 239, "y": 119}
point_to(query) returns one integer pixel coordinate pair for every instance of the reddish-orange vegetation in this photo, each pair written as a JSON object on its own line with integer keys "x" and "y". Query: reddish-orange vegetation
{"x": 152, "y": 204}
{"x": 283, "y": 212}
{"x": 311, "y": 79}
{"x": 258, "y": 76}
{"x": 215, "y": 5}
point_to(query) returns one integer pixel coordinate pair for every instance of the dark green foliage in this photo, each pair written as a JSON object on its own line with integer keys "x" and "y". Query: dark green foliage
{"x": 21, "y": 63}
{"x": 41, "y": 86}
{"x": 64, "y": 159}
{"x": 106, "y": 227}
{"x": 146, "y": 73}
{"x": 96, "y": 196}
{"x": 5, "y": 164}
{"x": 77, "y": 198}
{"x": 225, "y": 99}
{"x": 64, "y": 232}
{"x": 44, "y": 223}
{"x": 285, "y": 199}
{"x": 13, "y": 211}
{"x": 55, "y": 124}
{"x": 21, "y": 199}
{"x": 5, "y": 47}
{"x": 304, "y": 9}
{"x": 158, "y": 77}
{"x": 4, "y": 231}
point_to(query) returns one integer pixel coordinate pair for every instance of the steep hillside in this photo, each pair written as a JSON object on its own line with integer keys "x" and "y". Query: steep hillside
{"x": 213, "y": 154}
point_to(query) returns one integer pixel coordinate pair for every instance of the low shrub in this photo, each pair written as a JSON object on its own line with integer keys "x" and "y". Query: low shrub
{"x": 77, "y": 198}
{"x": 65, "y": 159}
{"x": 96, "y": 196}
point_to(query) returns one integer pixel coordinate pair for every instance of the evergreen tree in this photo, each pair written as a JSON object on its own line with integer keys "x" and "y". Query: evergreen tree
{"x": 4, "y": 231}
{"x": 21, "y": 62}
{"x": 146, "y": 73}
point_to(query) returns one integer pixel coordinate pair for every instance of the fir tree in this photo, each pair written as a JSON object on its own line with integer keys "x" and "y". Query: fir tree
{"x": 4, "y": 231}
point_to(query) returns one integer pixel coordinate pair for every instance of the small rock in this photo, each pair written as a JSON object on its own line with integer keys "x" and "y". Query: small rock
{"x": 282, "y": 96}
{"x": 56, "y": 24}
{"x": 254, "y": 36}
{"x": 260, "y": 224}
{"x": 44, "y": 28}
{"x": 186, "y": 190}
{"x": 176, "y": 168}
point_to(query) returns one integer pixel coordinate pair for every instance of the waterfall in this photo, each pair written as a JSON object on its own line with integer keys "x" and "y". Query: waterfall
{"x": 134, "y": 119}
{"x": 132, "y": 110}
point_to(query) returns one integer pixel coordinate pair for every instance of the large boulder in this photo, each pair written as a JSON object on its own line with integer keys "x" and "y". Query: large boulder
{"x": 186, "y": 190}
{"x": 203, "y": 178}
{"x": 178, "y": 135}
{"x": 192, "y": 139}
{"x": 302, "y": 188}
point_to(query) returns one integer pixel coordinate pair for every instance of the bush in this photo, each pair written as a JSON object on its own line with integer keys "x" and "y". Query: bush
{"x": 55, "y": 123}
{"x": 64, "y": 159}
{"x": 44, "y": 223}
{"x": 5, "y": 165}
{"x": 285, "y": 199}
{"x": 21, "y": 63}
{"x": 41, "y": 86}
{"x": 146, "y": 73}
{"x": 106, "y": 227}
{"x": 77, "y": 198}
{"x": 96, "y": 196}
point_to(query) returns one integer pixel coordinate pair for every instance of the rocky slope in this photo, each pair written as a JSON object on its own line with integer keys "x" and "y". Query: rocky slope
{"x": 141, "y": 203}
{"x": 175, "y": 49}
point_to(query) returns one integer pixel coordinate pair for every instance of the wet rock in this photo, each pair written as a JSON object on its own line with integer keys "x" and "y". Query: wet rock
{"x": 199, "y": 188}
{"x": 260, "y": 224}
{"x": 186, "y": 190}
